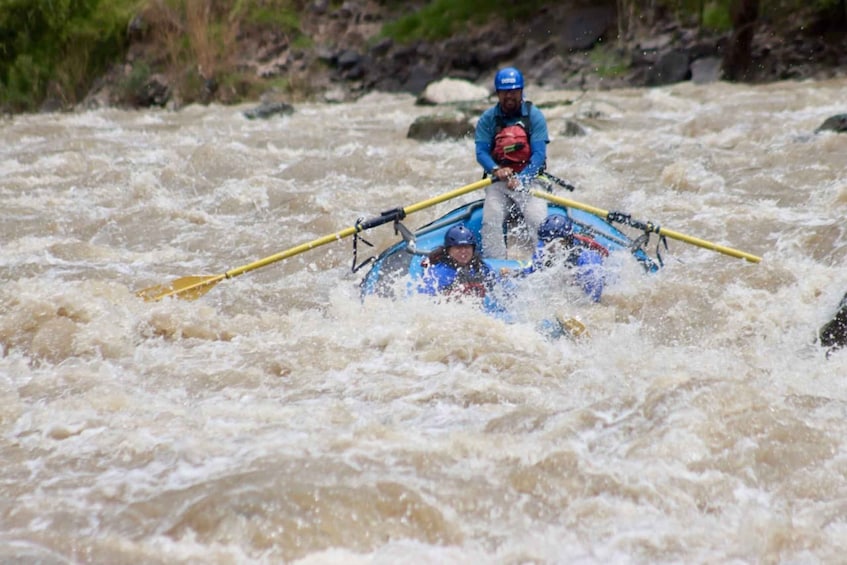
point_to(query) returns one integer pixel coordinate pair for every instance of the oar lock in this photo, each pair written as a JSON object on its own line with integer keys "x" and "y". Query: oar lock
{"x": 395, "y": 215}
{"x": 626, "y": 219}
{"x": 647, "y": 227}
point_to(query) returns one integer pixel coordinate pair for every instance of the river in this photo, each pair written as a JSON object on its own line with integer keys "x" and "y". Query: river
{"x": 280, "y": 419}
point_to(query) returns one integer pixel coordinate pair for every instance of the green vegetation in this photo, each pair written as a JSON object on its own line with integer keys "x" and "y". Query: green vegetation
{"x": 55, "y": 47}
{"x": 608, "y": 61}
{"x": 439, "y": 19}
{"x": 280, "y": 14}
{"x": 715, "y": 15}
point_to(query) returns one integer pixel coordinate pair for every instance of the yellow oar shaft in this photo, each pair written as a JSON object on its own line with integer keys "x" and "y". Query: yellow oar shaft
{"x": 352, "y": 230}
{"x": 447, "y": 196}
{"x": 195, "y": 286}
{"x": 709, "y": 245}
{"x": 661, "y": 231}
{"x": 290, "y": 252}
{"x": 570, "y": 203}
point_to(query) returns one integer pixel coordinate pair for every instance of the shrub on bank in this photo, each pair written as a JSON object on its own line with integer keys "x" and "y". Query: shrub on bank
{"x": 53, "y": 48}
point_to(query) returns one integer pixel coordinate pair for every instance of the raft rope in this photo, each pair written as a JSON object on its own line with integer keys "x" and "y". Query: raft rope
{"x": 641, "y": 241}
{"x": 399, "y": 228}
{"x": 356, "y": 238}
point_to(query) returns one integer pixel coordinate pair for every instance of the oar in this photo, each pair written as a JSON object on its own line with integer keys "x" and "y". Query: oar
{"x": 648, "y": 226}
{"x": 195, "y": 286}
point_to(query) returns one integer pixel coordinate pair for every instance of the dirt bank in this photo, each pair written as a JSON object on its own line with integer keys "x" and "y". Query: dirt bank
{"x": 565, "y": 45}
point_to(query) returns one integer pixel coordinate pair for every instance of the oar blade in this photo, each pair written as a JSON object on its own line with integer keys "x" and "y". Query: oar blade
{"x": 186, "y": 288}
{"x": 572, "y": 327}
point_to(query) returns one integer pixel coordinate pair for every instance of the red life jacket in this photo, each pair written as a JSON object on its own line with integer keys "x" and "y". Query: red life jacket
{"x": 511, "y": 147}
{"x": 511, "y": 143}
{"x": 586, "y": 241}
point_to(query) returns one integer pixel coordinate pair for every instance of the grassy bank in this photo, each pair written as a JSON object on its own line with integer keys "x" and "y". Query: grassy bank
{"x": 54, "y": 50}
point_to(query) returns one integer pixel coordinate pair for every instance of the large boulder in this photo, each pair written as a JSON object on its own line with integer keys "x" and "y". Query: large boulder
{"x": 706, "y": 70}
{"x": 268, "y": 109}
{"x": 451, "y": 90}
{"x": 583, "y": 26}
{"x": 670, "y": 68}
{"x": 436, "y": 128}
{"x": 833, "y": 334}
{"x": 836, "y": 123}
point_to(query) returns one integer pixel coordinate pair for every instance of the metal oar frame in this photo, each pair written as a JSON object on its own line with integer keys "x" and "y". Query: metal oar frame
{"x": 394, "y": 215}
{"x": 642, "y": 240}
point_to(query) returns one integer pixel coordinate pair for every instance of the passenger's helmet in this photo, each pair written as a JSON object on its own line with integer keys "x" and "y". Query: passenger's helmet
{"x": 459, "y": 235}
{"x": 555, "y": 226}
{"x": 508, "y": 78}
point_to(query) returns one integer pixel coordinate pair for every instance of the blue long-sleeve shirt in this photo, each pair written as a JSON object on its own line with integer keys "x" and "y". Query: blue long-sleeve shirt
{"x": 486, "y": 129}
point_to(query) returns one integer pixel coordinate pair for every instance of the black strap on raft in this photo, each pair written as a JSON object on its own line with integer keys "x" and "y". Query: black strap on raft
{"x": 393, "y": 215}
{"x": 644, "y": 239}
{"x": 553, "y": 178}
{"x": 356, "y": 238}
{"x": 662, "y": 241}
{"x": 641, "y": 242}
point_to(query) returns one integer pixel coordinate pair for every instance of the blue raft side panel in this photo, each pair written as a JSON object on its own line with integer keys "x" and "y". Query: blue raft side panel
{"x": 399, "y": 260}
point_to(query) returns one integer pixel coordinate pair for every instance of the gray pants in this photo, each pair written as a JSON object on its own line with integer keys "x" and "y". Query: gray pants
{"x": 498, "y": 198}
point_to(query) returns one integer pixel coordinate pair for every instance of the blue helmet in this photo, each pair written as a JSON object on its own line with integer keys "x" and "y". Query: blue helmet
{"x": 508, "y": 78}
{"x": 555, "y": 226}
{"x": 459, "y": 235}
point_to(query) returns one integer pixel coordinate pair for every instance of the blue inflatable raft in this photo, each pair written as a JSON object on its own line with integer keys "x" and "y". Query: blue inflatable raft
{"x": 403, "y": 259}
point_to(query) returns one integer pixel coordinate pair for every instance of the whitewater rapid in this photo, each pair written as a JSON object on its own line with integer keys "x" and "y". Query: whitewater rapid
{"x": 279, "y": 418}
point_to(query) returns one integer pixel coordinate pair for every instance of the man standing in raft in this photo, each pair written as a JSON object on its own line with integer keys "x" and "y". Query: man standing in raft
{"x": 511, "y": 145}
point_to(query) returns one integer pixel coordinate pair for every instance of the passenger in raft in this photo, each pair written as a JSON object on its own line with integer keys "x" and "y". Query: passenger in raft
{"x": 456, "y": 269}
{"x": 557, "y": 244}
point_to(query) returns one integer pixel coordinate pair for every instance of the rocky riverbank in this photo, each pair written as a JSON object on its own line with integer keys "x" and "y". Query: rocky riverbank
{"x": 566, "y": 46}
